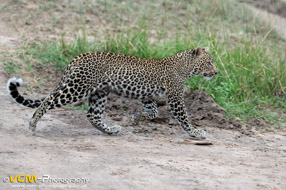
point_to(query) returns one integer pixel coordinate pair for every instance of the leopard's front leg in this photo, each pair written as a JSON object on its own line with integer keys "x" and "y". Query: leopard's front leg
{"x": 178, "y": 109}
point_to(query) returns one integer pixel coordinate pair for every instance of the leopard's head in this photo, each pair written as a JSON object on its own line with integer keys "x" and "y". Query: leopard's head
{"x": 203, "y": 64}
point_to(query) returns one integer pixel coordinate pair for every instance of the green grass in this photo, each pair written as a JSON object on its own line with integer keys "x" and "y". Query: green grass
{"x": 10, "y": 67}
{"x": 250, "y": 56}
{"x": 249, "y": 76}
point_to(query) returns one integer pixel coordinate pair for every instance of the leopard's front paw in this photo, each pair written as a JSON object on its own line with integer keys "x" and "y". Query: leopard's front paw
{"x": 197, "y": 134}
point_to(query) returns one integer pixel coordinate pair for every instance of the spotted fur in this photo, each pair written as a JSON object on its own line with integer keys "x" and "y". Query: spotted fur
{"x": 95, "y": 75}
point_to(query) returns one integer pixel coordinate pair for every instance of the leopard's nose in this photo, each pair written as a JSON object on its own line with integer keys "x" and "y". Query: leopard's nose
{"x": 215, "y": 72}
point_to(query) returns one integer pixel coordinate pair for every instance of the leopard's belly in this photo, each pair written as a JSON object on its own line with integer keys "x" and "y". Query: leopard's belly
{"x": 142, "y": 89}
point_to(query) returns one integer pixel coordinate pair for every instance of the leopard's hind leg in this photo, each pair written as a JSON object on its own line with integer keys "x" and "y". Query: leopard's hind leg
{"x": 64, "y": 94}
{"x": 97, "y": 101}
{"x": 150, "y": 110}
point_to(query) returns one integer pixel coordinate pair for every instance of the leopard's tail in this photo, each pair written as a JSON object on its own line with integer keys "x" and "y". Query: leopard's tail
{"x": 12, "y": 85}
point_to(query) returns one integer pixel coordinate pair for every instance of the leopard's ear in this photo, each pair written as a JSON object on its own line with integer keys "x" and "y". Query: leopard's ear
{"x": 205, "y": 49}
{"x": 199, "y": 51}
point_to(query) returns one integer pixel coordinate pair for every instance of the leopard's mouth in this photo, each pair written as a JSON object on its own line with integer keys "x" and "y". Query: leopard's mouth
{"x": 208, "y": 76}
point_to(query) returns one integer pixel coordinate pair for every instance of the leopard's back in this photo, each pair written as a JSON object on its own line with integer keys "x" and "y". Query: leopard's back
{"x": 126, "y": 75}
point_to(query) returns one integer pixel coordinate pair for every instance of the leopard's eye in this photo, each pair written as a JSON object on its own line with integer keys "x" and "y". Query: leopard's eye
{"x": 210, "y": 64}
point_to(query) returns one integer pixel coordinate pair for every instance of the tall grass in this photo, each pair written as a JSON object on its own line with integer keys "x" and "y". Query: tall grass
{"x": 249, "y": 75}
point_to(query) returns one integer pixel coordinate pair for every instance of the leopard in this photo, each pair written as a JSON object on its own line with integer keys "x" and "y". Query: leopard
{"x": 95, "y": 75}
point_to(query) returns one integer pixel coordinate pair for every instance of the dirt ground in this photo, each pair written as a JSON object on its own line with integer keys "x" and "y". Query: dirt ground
{"x": 271, "y": 10}
{"x": 147, "y": 155}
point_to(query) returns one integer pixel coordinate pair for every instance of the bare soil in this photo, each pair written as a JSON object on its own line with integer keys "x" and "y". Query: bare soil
{"x": 272, "y": 11}
{"x": 277, "y": 7}
{"x": 152, "y": 154}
